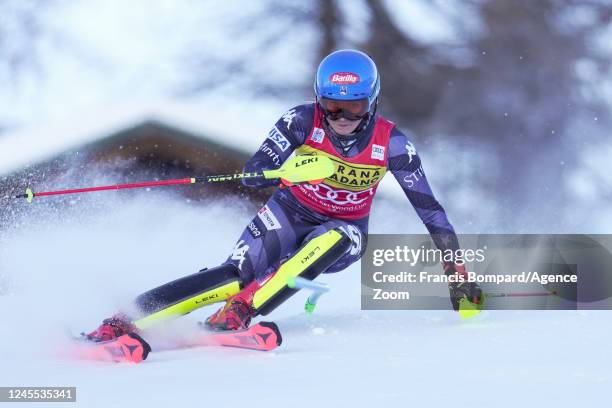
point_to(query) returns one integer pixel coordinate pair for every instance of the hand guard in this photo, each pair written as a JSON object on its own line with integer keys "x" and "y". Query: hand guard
{"x": 462, "y": 289}
{"x": 286, "y": 183}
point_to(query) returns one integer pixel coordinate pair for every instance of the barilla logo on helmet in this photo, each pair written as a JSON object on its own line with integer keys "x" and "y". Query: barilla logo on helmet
{"x": 344, "y": 78}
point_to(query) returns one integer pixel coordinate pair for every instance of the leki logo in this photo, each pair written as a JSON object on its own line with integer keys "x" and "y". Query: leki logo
{"x": 213, "y": 296}
{"x": 311, "y": 254}
{"x": 344, "y": 78}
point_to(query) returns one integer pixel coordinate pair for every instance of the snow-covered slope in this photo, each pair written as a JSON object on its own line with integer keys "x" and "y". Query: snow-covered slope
{"x": 59, "y": 272}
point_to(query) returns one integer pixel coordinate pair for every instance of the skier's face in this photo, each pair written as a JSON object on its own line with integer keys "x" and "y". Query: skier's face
{"x": 343, "y": 126}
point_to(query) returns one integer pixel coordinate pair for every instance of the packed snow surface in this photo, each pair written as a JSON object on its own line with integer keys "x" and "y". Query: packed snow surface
{"x": 66, "y": 270}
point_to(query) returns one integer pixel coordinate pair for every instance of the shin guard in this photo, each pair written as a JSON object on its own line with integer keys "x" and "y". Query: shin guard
{"x": 186, "y": 294}
{"x": 310, "y": 261}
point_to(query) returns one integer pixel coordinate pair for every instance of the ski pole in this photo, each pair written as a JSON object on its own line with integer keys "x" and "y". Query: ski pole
{"x": 317, "y": 288}
{"x": 29, "y": 194}
{"x": 468, "y": 309}
{"x": 521, "y": 294}
{"x": 298, "y": 169}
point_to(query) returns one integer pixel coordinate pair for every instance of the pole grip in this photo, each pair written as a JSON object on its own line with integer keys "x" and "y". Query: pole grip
{"x": 226, "y": 177}
{"x": 521, "y": 294}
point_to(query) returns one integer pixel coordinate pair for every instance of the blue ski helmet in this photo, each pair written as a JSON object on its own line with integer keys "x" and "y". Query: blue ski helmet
{"x": 348, "y": 75}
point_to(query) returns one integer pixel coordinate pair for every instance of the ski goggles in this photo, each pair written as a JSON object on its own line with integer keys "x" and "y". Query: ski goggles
{"x": 351, "y": 110}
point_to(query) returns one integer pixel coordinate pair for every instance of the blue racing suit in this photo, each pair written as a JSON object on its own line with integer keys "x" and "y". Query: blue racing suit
{"x": 284, "y": 224}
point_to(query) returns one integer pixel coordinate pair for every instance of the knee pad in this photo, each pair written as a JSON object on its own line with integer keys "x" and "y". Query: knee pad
{"x": 358, "y": 239}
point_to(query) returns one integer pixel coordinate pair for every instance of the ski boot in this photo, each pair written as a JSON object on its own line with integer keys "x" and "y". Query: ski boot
{"x": 237, "y": 312}
{"x": 111, "y": 328}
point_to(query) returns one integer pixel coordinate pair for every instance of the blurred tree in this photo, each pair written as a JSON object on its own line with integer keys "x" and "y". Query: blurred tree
{"x": 518, "y": 96}
{"x": 522, "y": 94}
{"x": 23, "y": 32}
{"x": 22, "y": 29}
{"x": 263, "y": 35}
{"x": 516, "y": 92}
{"x": 414, "y": 78}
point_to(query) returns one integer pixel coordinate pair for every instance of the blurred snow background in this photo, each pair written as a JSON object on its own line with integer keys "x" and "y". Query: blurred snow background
{"x": 508, "y": 101}
{"x": 68, "y": 269}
